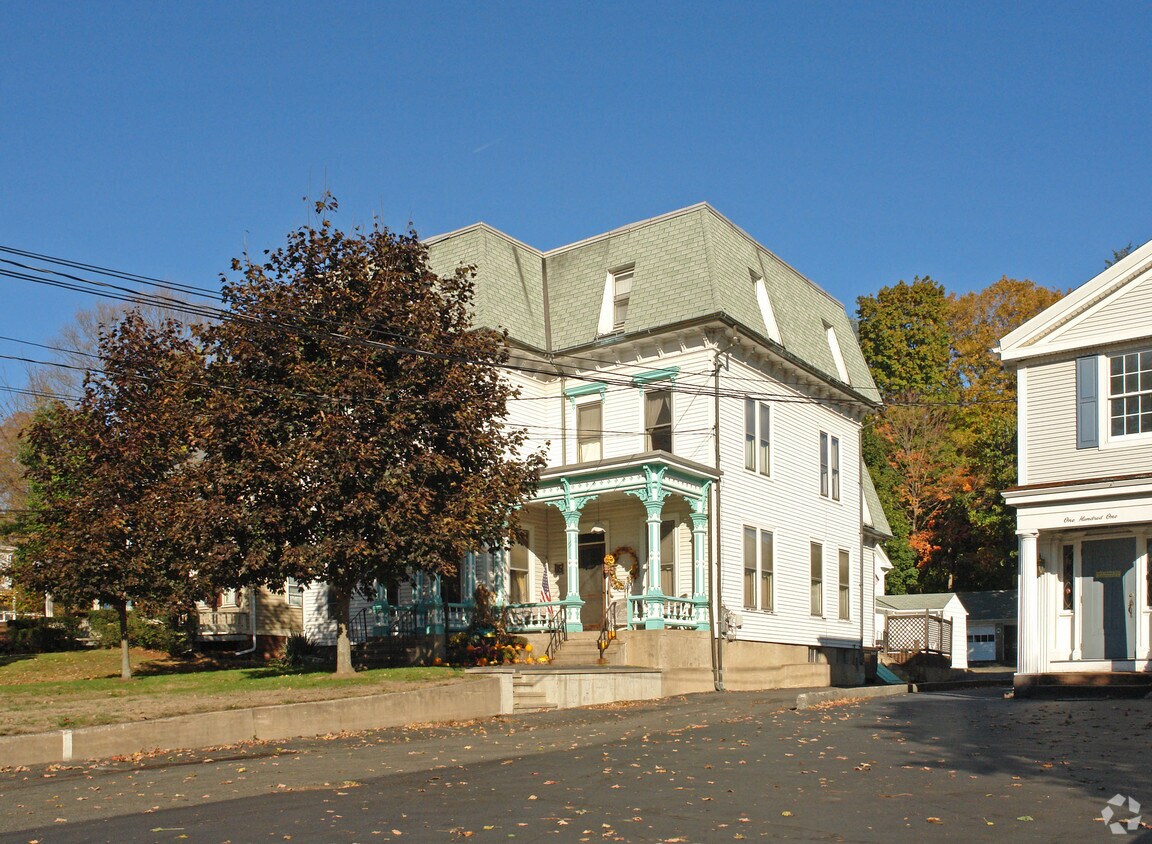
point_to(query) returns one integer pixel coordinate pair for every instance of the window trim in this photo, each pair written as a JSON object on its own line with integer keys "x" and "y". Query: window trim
{"x": 816, "y": 579}
{"x": 758, "y": 437}
{"x": 293, "y": 592}
{"x": 829, "y": 466}
{"x": 753, "y": 539}
{"x": 844, "y": 584}
{"x": 1106, "y": 405}
{"x": 591, "y": 436}
{"x": 648, "y": 429}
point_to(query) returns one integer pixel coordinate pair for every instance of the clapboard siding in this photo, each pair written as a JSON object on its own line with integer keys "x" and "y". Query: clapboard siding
{"x": 1132, "y": 307}
{"x": 1050, "y": 445}
{"x": 790, "y": 505}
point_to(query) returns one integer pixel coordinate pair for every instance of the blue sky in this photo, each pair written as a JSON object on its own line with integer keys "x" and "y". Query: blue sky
{"x": 862, "y": 143}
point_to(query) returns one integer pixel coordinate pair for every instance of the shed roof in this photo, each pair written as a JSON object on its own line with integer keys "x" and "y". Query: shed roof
{"x": 994, "y": 605}
{"x": 927, "y": 601}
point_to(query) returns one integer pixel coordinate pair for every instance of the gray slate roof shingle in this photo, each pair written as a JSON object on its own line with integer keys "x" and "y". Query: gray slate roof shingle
{"x": 689, "y": 264}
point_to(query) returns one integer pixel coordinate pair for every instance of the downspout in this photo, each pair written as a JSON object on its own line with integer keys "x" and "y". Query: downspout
{"x": 863, "y": 579}
{"x": 251, "y": 650}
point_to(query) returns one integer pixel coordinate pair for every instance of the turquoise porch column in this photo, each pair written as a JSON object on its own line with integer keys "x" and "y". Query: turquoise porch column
{"x": 653, "y": 496}
{"x": 419, "y": 603}
{"x": 572, "y": 599}
{"x": 499, "y": 558}
{"x": 570, "y": 507}
{"x": 469, "y": 579}
{"x": 699, "y": 516}
{"x": 699, "y": 566}
{"x": 436, "y": 618}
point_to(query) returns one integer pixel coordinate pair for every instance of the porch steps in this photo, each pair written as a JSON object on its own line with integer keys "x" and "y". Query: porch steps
{"x": 525, "y": 698}
{"x": 1086, "y": 684}
{"x": 581, "y": 650}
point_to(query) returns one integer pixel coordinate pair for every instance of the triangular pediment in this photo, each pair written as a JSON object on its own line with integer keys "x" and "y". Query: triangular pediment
{"x": 1113, "y": 307}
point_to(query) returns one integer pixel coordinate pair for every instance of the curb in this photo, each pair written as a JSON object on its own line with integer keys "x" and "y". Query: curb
{"x": 807, "y": 700}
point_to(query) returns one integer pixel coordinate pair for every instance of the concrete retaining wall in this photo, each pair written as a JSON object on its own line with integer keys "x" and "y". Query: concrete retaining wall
{"x": 570, "y": 688}
{"x": 477, "y": 697}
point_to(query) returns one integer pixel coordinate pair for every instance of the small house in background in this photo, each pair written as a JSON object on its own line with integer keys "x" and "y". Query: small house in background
{"x": 991, "y": 625}
{"x": 1083, "y": 493}
{"x": 254, "y": 621}
{"x": 935, "y": 622}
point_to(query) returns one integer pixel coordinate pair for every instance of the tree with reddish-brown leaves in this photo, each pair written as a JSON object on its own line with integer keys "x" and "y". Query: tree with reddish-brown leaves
{"x": 357, "y": 420}
{"x": 106, "y": 474}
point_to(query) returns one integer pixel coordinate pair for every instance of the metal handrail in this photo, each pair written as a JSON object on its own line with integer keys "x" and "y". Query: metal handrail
{"x": 607, "y": 631}
{"x": 359, "y": 628}
{"x": 557, "y": 634}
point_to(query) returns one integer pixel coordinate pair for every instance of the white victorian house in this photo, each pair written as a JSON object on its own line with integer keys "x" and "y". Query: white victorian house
{"x": 1084, "y": 491}
{"x": 700, "y": 405}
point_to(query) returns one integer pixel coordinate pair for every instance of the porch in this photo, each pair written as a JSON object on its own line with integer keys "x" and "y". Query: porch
{"x": 578, "y": 569}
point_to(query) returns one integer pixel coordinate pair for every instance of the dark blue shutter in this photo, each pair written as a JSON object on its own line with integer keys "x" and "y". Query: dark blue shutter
{"x": 1087, "y": 435}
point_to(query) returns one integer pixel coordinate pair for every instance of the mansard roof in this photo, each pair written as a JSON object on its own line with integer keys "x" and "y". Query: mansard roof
{"x": 1113, "y": 307}
{"x": 688, "y": 265}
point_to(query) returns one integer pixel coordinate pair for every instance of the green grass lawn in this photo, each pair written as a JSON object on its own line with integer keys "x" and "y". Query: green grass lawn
{"x": 83, "y": 688}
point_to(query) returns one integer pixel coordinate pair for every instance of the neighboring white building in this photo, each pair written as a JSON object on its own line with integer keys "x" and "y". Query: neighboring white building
{"x": 700, "y": 404}
{"x": 1084, "y": 488}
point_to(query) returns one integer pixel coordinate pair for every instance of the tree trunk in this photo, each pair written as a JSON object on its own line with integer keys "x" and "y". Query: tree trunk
{"x": 125, "y": 664}
{"x": 342, "y": 606}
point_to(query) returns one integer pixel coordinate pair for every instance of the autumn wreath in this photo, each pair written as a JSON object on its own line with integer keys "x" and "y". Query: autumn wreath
{"x": 626, "y": 557}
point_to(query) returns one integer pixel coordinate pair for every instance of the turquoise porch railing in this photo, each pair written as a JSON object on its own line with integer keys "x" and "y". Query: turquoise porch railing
{"x": 533, "y": 618}
{"x": 419, "y": 619}
{"x": 676, "y": 612}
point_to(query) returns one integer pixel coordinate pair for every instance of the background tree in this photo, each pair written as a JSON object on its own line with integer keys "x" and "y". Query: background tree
{"x": 945, "y": 446}
{"x": 905, "y": 337}
{"x": 357, "y": 426}
{"x": 105, "y": 474}
{"x": 1119, "y": 254}
{"x": 73, "y": 351}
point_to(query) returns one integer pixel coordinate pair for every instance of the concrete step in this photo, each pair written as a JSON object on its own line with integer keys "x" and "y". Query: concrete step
{"x": 1104, "y": 684}
{"x": 524, "y": 696}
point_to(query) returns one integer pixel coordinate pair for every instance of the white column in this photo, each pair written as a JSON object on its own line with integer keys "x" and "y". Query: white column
{"x": 1030, "y": 636}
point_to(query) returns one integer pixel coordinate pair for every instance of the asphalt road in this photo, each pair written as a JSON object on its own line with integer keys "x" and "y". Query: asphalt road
{"x": 704, "y": 768}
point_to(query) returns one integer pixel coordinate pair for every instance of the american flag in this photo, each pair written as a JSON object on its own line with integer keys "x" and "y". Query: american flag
{"x": 545, "y": 585}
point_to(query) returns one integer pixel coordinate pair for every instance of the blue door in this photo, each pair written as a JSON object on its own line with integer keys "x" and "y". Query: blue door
{"x": 1108, "y": 596}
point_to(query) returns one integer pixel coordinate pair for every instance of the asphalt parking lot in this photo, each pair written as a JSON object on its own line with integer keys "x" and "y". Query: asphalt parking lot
{"x": 960, "y": 766}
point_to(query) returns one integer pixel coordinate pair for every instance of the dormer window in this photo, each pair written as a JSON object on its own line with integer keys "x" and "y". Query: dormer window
{"x": 614, "y": 304}
{"x": 765, "y": 304}
{"x": 621, "y": 293}
{"x": 837, "y": 355}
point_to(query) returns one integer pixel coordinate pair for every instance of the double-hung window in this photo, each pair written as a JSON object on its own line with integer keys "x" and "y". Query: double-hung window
{"x": 845, "y": 588}
{"x": 294, "y": 591}
{"x": 518, "y": 575}
{"x": 816, "y": 579}
{"x": 621, "y": 295}
{"x": 759, "y": 567}
{"x": 658, "y": 420}
{"x": 1130, "y": 393}
{"x": 757, "y": 437}
{"x": 589, "y": 431}
{"x": 829, "y": 466}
